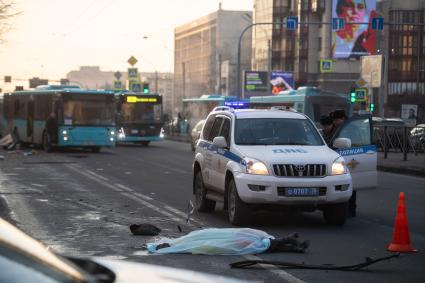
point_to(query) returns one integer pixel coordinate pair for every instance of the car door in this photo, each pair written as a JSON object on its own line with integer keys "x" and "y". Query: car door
{"x": 361, "y": 158}
{"x": 220, "y": 168}
{"x": 210, "y": 154}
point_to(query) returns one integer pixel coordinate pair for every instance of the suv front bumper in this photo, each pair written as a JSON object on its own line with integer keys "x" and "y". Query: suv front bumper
{"x": 273, "y": 192}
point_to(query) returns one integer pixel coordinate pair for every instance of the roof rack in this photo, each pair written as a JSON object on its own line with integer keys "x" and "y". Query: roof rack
{"x": 283, "y": 108}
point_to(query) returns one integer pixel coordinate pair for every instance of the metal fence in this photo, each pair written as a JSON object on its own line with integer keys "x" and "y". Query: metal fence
{"x": 400, "y": 139}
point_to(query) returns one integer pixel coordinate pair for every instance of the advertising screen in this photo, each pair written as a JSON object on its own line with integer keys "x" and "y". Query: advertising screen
{"x": 281, "y": 81}
{"x": 256, "y": 81}
{"x": 356, "y": 39}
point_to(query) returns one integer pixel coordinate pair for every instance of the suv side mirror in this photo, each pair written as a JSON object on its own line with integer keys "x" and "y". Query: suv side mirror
{"x": 220, "y": 142}
{"x": 341, "y": 143}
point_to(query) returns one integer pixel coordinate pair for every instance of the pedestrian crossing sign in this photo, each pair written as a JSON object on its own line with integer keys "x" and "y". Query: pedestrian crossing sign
{"x": 325, "y": 65}
{"x": 133, "y": 73}
{"x": 118, "y": 85}
{"x": 135, "y": 86}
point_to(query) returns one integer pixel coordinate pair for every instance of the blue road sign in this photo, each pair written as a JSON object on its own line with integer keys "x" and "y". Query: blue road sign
{"x": 135, "y": 87}
{"x": 325, "y": 65}
{"x": 338, "y": 23}
{"x": 377, "y": 23}
{"x": 291, "y": 23}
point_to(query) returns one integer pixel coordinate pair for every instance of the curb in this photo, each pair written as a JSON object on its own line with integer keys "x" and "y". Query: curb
{"x": 401, "y": 170}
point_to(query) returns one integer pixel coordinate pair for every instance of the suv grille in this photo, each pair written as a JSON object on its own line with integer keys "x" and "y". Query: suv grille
{"x": 292, "y": 170}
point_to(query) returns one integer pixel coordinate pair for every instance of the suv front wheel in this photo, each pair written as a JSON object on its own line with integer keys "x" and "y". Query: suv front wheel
{"x": 202, "y": 203}
{"x": 238, "y": 211}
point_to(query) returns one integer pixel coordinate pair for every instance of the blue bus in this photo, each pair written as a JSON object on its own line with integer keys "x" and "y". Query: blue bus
{"x": 139, "y": 117}
{"x": 85, "y": 118}
{"x": 308, "y": 100}
{"x": 196, "y": 109}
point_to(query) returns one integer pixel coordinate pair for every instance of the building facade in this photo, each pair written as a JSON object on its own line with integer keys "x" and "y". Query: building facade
{"x": 404, "y": 48}
{"x": 206, "y": 55}
{"x": 299, "y": 51}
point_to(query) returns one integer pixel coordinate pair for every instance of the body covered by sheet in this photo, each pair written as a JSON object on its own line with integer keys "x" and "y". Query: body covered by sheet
{"x": 215, "y": 241}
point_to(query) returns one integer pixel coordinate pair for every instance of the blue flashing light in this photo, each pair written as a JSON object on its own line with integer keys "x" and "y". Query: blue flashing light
{"x": 236, "y": 104}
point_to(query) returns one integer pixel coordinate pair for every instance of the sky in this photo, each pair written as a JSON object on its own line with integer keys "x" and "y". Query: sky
{"x": 52, "y": 37}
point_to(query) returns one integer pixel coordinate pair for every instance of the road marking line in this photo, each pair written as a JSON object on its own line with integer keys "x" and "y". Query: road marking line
{"x": 179, "y": 217}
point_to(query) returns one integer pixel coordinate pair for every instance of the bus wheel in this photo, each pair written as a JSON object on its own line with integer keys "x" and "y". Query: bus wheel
{"x": 145, "y": 143}
{"x": 95, "y": 149}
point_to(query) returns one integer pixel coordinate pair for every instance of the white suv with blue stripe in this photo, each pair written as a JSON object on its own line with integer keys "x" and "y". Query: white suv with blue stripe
{"x": 252, "y": 159}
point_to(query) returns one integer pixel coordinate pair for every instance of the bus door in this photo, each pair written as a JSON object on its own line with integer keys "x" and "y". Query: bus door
{"x": 30, "y": 120}
{"x": 361, "y": 158}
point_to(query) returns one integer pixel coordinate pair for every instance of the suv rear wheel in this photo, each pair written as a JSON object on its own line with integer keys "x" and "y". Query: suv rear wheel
{"x": 202, "y": 203}
{"x": 237, "y": 210}
{"x": 336, "y": 213}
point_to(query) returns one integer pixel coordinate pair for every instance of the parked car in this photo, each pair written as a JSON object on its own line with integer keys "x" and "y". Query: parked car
{"x": 417, "y": 135}
{"x": 195, "y": 133}
{"x": 23, "y": 259}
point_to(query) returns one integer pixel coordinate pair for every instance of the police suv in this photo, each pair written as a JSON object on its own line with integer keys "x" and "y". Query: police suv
{"x": 252, "y": 159}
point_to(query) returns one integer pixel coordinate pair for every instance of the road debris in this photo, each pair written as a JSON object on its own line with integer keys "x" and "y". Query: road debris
{"x": 293, "y": 265}
{"x": 227, "y": 241}
{"x": 144, "y": 229}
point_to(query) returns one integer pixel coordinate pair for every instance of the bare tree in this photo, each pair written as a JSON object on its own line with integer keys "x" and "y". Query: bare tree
{"x": 7, "y": 12}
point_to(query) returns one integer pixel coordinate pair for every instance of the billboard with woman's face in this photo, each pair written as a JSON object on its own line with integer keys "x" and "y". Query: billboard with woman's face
{"x": 355, "y": 39}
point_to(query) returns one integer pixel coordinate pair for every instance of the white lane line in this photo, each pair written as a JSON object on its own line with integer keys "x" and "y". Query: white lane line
{"x": 167, "y": 207}
{"x": 178, "y": 218}
{"x": 153, "y": 207}
{"x": 132, "y": 195}
{"x": 97, "y": 175}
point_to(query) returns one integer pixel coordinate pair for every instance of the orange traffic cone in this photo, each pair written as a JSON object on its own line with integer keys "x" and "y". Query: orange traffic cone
{"x": 401, "y": 238}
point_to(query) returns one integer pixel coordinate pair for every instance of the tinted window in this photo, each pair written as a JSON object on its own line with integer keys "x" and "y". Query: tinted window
{"x": 208, "y": 126}
{"x": 358, "y": 131}
{"x": 215, "y": 130}
{"x": 276, "y": 131}
{"x": 225, "y": 130}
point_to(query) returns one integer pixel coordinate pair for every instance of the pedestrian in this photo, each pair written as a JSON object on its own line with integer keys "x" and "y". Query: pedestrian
{"x": 51, "y": 130}
{"x": 327, "y": 128}
{"x": 338, "y": 119}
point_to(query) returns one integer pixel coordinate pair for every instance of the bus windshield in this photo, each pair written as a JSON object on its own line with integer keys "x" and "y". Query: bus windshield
{"x": 141, "y": 112}
{"x": 89, "y": 110}
{"x": 276, "y": 131}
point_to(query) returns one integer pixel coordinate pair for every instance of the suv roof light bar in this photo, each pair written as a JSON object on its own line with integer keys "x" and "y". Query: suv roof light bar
{"x": 223, "y": 108}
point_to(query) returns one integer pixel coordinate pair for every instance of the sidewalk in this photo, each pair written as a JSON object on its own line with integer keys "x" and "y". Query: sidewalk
{"x": 414, "y": 165}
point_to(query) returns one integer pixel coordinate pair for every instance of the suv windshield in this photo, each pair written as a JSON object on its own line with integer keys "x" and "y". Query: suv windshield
{"x": 276, "y": 131}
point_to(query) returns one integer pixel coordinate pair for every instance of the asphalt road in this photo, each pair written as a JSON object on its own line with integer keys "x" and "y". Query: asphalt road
{"x": 81, "y": 204}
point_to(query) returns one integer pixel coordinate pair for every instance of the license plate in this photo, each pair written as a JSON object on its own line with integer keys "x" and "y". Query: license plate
{"x": 301, "y": 192}
{"x": 134, "y": 131}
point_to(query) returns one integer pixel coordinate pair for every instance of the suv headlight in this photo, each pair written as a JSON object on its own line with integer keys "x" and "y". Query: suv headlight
{"x": 255, "y": 167}
{"x": 339, "y": 167}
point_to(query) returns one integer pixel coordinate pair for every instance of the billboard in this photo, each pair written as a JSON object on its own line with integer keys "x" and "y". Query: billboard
{"x": 409, "y": 113}
{"x": 371, "y": 69}
{"x": 281, "y": 81}
{"x": 256, "y": 81}
{"x": 354, "y": 40}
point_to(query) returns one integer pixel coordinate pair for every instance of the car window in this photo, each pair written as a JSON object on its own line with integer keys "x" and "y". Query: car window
{"x": 358, "y": 131}
{"x": 208, "y": 126}
{"x": 276, "y": 131}
{"x": 215, "y": 130}
{"x": 225, "y": 130}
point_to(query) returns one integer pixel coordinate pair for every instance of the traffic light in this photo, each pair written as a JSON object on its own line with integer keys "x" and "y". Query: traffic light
{"x": 353, "y": 94}
{"x": 145, "y": 88}
{"x": 372, "y": 107}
